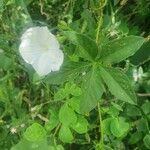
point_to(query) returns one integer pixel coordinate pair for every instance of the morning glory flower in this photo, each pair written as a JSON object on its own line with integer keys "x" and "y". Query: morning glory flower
{"x": 40, "y": 48}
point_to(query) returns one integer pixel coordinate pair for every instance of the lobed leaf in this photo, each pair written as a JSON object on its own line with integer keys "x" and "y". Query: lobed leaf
{"x": 118, "y": 84}
{"x": 89, "y": 48}
{"x": 92, "y": 90}
{"x": 120, "y": 49}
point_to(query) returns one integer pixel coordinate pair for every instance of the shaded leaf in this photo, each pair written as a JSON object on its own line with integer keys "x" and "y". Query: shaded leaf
{"x": 68, "y": 71}
{"x": 65, "y": 134}
{"x": 120, "y": 49}
{"x": 118, "y": 84}
{"x": 92, "y": 90}
{"x": 88, "y": 46}
{"x": 67, "y": 116}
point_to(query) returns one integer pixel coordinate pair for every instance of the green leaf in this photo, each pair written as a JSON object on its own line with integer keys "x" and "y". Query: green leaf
{"x": 92, "y": 90}
{"x": 57, "y": 147}
{"x": 27, "y": 145}
{"x": 147, "y": 141}
{"x": 65, "y": 134}
{"x": 81, "y": 126}
{"x": 68, "y": 71}
{"x": 119, "y": 127}
{"x": 142, "y": 125}
{"x": 35, "y": 133}
{"x": 67, "y": 116}
{"x": 132, "y": 111}
{"x": 106, "y": 125}
{"x": 88, "y": 47}
{"x": 74, "y": 102}
{"x": 118, "y": 107}
{"x": 118, "y": 84}
{"x": 146, "y": 107}
{"x": 142, "y": 55}
{"x": 120, "y": 49}
{"x": 53, "y": 120}
{"x": 135, "y": 137}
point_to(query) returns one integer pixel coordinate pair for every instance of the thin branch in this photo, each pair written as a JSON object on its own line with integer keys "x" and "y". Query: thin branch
{"x": 144, "y": 94}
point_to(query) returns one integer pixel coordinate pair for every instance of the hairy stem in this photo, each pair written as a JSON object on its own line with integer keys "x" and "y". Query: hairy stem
{"x": 100, "y": 20}
{"x": 101, "y": 143}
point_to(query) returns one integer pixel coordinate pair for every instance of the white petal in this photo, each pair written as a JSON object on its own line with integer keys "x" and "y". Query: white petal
{"x": 48, "y": 61}
{"x": 40, "y": 48}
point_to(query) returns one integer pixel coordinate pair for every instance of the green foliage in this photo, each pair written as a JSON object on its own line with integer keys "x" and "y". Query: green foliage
{"x": 120, "y": 49}
{"x": 99, "y": 99}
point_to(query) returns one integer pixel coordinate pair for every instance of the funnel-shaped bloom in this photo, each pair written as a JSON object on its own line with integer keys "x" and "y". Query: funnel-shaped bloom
{"x": 41, "y": 49}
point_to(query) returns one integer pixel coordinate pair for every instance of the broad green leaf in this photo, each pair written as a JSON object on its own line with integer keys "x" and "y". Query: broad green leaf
{"x": 92, "y": 90}
{"x": 68, "y": 71}
{"x": 81, "y": 126}
{"x": 142, "y": 55}
{"x": 35, "y": 133}
{"x": 119, "y": 127}
{"x": 142, "y": 125}
{"x": 120, "y": 49}
{"x": 132, "y": 111}
{"x": 146, "y": 107}
{"x": 28, "y": 145}
{"x": 135, "y": 137}
{"x": 147, "y": 141}
{"x": 65, "y": 134}
{"x": 88, "y": 47}
{"x": 67, "y": 116}
{"x": 118, "y": 84}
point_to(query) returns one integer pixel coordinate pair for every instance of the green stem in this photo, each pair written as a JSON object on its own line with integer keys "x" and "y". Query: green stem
{"x": 100, "y": 22}
{"x": 101, "y": 143}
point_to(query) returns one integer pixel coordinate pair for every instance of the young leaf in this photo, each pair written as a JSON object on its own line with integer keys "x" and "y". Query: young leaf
{"x": 35, "y": 133}
{"x": 67, "y": 116}
{"x": 119, "y": 127}
{"x": 92, "y": 90}
{"x": 118, "y": 84}
{"x": 120, "y": 49}
{"x": 68, "y": 71}
{"x": 135, "y": 137}
{"x": 81, "y": 125}
{"x": 65, "y": 134}
{"x": 88, "y": 46}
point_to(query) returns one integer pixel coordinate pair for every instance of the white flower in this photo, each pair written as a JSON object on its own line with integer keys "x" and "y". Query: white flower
{"x": 41, "y": 49}
{"x": 137, "y": 74}
{"x": 13, "y": 130}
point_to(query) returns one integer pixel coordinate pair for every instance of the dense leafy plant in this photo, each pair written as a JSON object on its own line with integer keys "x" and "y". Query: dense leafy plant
{"x": 99, "y": 99}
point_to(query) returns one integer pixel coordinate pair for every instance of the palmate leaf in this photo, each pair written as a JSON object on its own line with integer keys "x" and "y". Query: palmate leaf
{"x": 92, "y": 90}
{"x": 88, "y": 47}
{"x": 118, "y": 84}
{"x": 69, "y": 71}
{"x": 120, "y": 49}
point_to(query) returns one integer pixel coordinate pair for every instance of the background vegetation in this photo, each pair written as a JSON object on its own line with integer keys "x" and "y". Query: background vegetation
{"x": 32, "y": 111}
